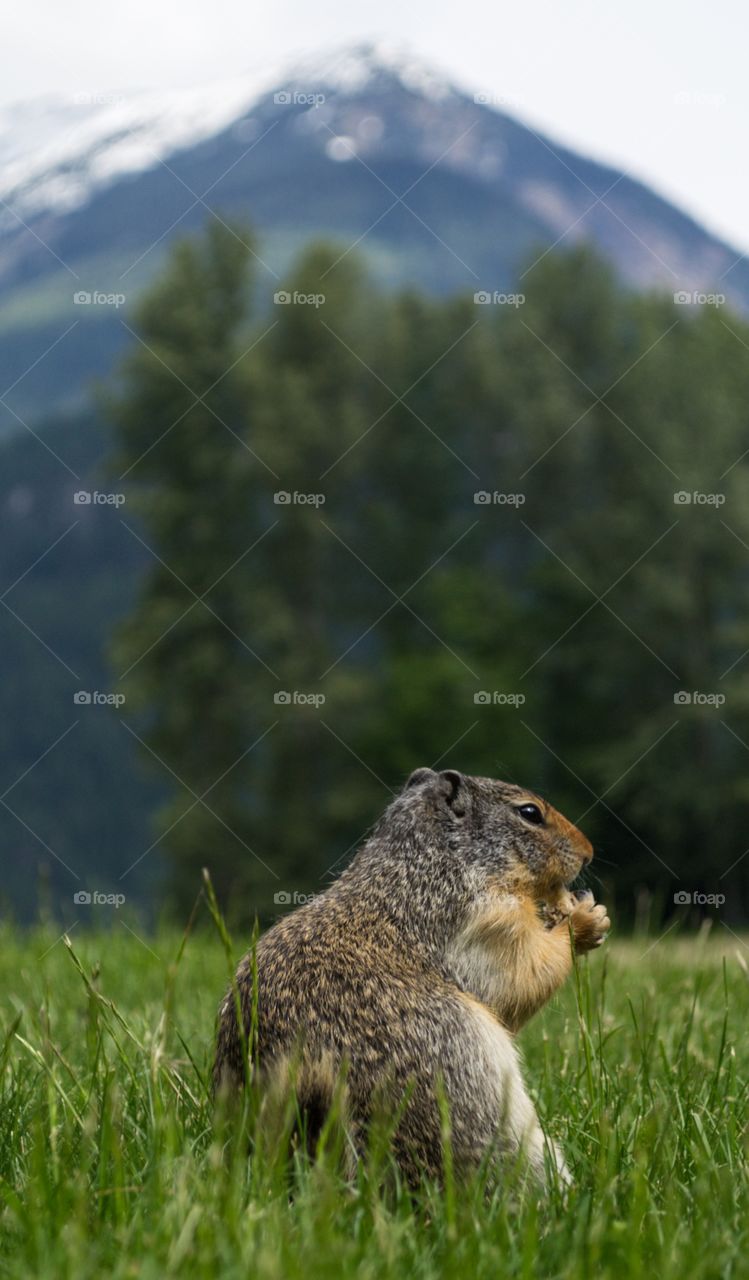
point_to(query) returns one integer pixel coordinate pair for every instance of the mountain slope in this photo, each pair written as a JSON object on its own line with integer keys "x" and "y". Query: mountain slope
{"x": 437, "y": 188}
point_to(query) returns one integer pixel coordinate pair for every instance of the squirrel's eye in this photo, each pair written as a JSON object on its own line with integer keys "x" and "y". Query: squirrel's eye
{"x": 531, "y": 813}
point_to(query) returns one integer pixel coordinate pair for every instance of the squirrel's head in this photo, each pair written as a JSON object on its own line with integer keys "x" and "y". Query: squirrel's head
{"x": 497, "y": 828}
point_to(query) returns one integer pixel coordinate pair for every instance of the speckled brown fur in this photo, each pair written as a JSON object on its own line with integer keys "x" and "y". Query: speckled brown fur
{"x": 416, "y": 967}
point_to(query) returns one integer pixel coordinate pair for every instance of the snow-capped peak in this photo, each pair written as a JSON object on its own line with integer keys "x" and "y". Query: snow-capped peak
{"x": 352, "y": 67}
{"x": 56, "y": 151}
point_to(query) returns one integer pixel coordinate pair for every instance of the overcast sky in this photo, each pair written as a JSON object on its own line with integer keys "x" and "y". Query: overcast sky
{"x": 657, "y": 87}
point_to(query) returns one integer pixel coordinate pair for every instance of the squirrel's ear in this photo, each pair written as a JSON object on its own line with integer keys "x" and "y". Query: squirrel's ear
{"x": 419, "y": 775}
{"x": 453, "y": 789}
{"x": 448, "y": 785}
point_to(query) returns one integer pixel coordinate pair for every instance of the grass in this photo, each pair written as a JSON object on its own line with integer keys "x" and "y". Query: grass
{"x": 111, "y": 1162}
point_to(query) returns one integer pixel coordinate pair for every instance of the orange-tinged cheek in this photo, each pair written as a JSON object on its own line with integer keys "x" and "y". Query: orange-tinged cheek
{"x": 564, "y": 863}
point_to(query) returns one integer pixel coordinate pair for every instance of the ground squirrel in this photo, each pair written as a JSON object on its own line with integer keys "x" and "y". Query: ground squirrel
{"x": 452, "y": 925}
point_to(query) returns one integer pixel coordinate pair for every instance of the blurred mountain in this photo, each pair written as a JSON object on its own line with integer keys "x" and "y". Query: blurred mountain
{"x": 435, "y": 186}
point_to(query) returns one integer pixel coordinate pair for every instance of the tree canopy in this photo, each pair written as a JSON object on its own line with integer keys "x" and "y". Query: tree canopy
{"x": 389, "y": 531}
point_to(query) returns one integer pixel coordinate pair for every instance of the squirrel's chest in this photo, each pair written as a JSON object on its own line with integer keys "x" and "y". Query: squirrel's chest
{"x": 488, "y": 956}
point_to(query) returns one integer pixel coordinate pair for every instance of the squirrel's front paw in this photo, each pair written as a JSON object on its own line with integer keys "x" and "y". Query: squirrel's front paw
{"x": 589, "y": 923}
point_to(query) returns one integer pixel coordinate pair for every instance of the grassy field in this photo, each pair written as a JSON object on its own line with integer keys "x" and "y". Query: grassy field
{"x": 110, "y": 1163}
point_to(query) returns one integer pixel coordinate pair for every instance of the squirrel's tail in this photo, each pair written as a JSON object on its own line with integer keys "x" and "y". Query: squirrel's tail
{"x": 303, "y": 1101}
{"x": 307, "y": 1098}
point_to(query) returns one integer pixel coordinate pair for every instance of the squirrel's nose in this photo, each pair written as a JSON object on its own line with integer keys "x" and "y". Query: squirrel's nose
{"x": 580, "y": 844}
{"x": 585, "y": 849}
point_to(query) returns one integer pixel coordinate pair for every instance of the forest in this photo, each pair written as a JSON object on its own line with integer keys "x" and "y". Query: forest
{"x": 380, "y": 531}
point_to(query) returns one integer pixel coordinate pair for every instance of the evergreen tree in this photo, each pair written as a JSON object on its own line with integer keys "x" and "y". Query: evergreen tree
{"x": 328, "y": 596}
{"x": 185, "y": 650}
